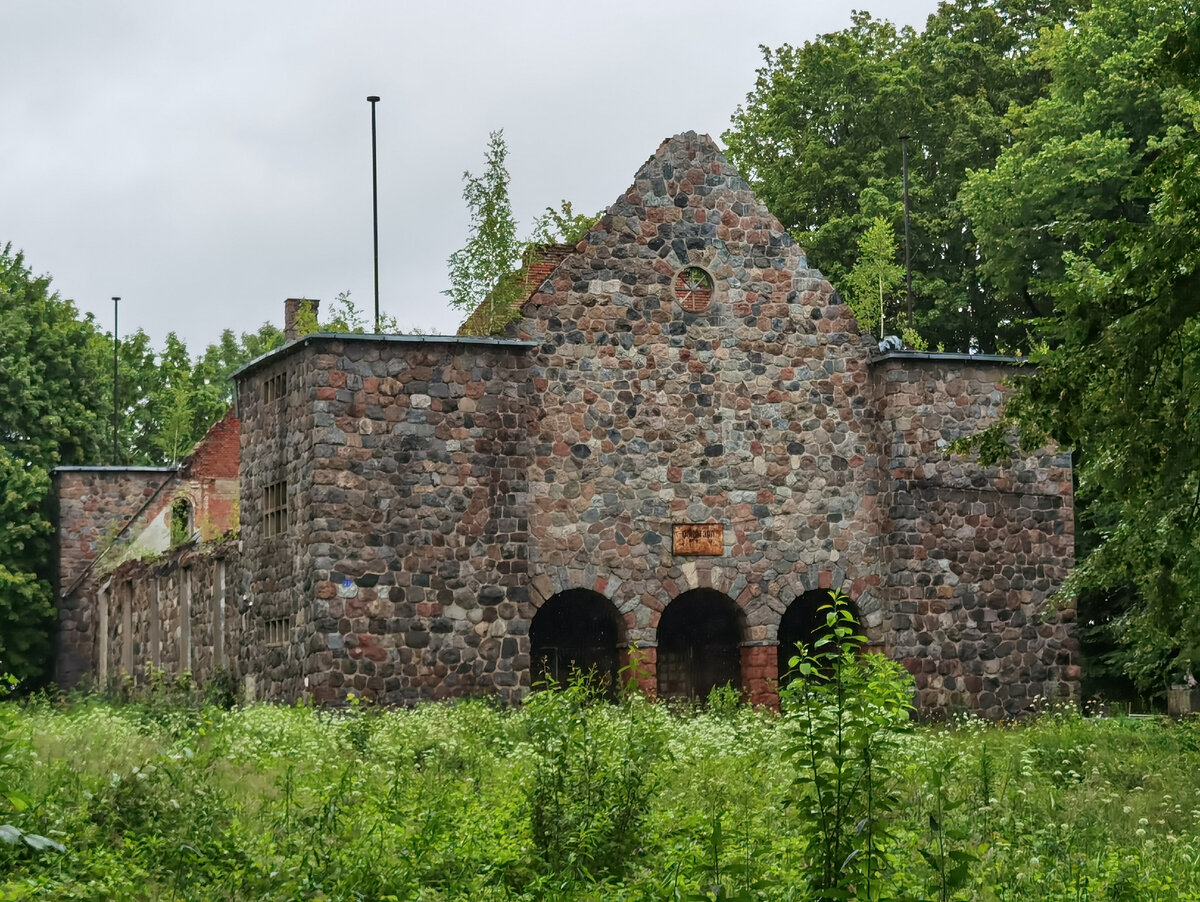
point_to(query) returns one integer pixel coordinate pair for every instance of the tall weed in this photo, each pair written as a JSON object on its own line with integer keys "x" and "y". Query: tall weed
{"x": 844, "y": 715}
{"x": 591, "y": 776}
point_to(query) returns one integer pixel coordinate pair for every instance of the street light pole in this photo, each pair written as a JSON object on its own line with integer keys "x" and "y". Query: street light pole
{"x": 375, "y": 205}
{"x": 116, "y": 345}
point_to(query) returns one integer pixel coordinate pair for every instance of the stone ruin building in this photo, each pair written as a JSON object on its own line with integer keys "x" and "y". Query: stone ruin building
{"x": 680, "y": 445}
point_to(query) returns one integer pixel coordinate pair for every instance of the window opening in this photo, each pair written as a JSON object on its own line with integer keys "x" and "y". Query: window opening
{"x": 279, "y": 631}
{"x": 275, "y": 509}
{"x": 693, "y": 289}
{"x": 181, "y": 521}
{"x": 275, "y": 387}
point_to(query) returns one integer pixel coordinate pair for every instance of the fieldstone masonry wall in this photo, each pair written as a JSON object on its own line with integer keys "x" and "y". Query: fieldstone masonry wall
{"x": 754, "y": 413}
{"x": 406, "y": 565}
{"x": 411, "y": 506}
{"x": 972, "y": 553}
{"x": 184, "y": 613}
{"x": 282, "y": 424}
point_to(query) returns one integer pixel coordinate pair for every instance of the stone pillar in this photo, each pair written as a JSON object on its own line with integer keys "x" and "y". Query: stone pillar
{"x": 127, "y": 631}
{"x": 102, "y": 600}
{"x": 185, "y": 620}
{"x": 760, "y": 674}
{"x": 218, "y": 618}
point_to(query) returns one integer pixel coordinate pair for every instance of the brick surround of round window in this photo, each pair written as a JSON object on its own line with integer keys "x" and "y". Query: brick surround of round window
{"x": 693, "y": 289}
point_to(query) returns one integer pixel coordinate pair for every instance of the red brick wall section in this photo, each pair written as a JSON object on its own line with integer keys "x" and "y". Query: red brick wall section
{"x": 643, "y": 664}
{"x": 217, "y": 454}
{"x": 760, "y": 674}
{"x": 547, "y": 260}
{"x": 212, "y": 472}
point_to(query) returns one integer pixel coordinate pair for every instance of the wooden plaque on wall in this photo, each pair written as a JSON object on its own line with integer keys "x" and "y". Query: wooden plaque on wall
{"x": 698, "y": 538}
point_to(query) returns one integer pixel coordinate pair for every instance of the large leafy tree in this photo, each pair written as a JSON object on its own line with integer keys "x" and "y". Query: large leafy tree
{"x": 1095, "y": 211}
{"x": 49, "y": 403}
{"x": 819, "y": 138}
{"x": 169, "y": 398}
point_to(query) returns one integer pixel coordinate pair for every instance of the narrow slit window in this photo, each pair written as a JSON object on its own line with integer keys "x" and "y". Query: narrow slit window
{"x": 275, "y": 511}
{"x": 279, "y": 631}
{"x": 275, "y": 388}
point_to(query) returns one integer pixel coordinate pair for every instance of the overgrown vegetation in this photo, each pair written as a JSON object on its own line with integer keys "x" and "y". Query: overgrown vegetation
{"x": 1092, "y": 208}
{"x": 574, "y": 797}
{"x": 487, "y": 275}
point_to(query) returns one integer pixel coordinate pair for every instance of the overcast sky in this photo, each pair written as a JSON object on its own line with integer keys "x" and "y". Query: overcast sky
{"x": 206, "y": 160}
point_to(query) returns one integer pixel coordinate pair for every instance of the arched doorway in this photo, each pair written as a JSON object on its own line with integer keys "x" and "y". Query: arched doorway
{"x": 699, "y": 638}
{"x": 803, "y": 621}
{"x": 575, "y": 631}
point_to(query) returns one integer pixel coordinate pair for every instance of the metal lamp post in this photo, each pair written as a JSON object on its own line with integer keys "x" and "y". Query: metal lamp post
{"x": 375, "y": 205}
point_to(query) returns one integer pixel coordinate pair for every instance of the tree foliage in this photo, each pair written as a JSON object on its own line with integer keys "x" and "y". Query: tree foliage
{"x": 1093, "y": 210}
{"x": 483, "y": 273}
{"x": 872, "y": 284}
{"x": 48, "y": 416}
{"x": 168, "y": 398}
{"x": 561, "y": 226}
{"x": 819, "y": 139}
{"x": 487, "y": 275}
{"x": 49, "y": 371}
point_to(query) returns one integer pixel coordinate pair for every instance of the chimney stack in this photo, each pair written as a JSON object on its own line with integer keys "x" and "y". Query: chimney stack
{"x": 291, "y": 312}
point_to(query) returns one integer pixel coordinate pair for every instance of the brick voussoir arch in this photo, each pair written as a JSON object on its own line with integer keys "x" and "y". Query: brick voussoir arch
{"x": 759, "y": 621}
{"x": 825, "y": 576}
{"x": 551, "y": 581}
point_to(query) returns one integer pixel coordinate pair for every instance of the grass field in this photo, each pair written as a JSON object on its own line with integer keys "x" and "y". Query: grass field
{"x": 569, "y": 798}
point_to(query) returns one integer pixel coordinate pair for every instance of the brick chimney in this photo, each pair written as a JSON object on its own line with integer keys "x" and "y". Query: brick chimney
{"x": 291, "y": 312}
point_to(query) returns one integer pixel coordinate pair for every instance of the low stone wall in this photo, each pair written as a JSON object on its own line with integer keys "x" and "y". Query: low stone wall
{"x": 184, "y": 613}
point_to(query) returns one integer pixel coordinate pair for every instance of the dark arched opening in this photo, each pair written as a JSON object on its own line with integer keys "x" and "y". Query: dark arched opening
{"x": 803, "y": 621}
{"x": 575, "y": 631}
{"x": 181, "y": 520}
{"x": 699, "y": 639}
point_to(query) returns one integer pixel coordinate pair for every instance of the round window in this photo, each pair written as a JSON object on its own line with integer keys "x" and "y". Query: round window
{"x": 693, "y": 288}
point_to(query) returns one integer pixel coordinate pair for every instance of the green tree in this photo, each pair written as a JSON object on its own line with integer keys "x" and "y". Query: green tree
{"x": 818, "y": 137}
{"x": 26, "y": 605}
{"x": 484, "y": 278}
{"x": 49, "y": 378}
{"x": 872, "y": 284}
{"x": 171, "y": 408}
{"x": 49, "y": 371}
{"x": 1093, "y": 209}
{"x": 212, "y": 385}
{"x": 487, "y": 275}
{"x": 136, "y": 380}
{"x": 168, "y": 398}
